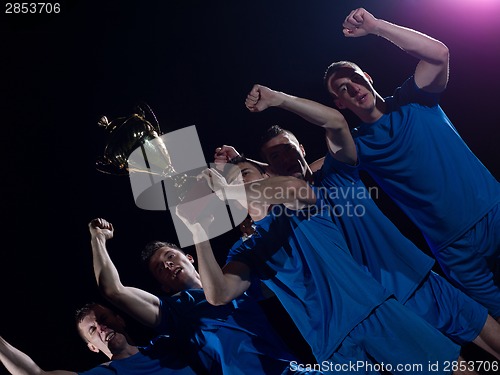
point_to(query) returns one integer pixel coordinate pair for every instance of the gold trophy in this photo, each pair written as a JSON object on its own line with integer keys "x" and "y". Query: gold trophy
{"x": 136, "y": 147}
{"x": 163, "y": 170}
{"x": 126, "y": 134}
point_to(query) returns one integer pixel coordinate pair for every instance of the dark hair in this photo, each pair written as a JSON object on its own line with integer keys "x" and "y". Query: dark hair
{"x": 82, "y": 313}
{"x": 334, "y": 68}
{"x": 270, "y": 133}
{"x": 153, "y": 246}
{"x": 242, "y": 159}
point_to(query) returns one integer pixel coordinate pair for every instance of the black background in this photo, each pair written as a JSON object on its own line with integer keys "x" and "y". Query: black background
{"x": 193, "y": 62}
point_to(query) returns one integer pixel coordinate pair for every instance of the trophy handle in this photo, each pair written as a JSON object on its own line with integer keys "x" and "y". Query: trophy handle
{"x": 145, "y": 111}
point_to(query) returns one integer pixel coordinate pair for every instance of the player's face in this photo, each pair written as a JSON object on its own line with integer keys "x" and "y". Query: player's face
{"x": 173, "y": 269}
{"x": 250, "y": 172}
{"x": 103, "y": 330}
{"x": 285, "y": 155}
{"x": 352, "y": 89}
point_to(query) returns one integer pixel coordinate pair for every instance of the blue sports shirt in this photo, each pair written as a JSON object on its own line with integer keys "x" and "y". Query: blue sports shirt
{"x": 229, "y": 339}
{"x": 374, "y": 241}
{"x": 303, "y": 258}
{"x": 416, "y": 155}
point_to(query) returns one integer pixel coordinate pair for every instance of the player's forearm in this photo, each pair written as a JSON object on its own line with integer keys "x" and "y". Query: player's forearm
{"x": 417, "y": 44}
{"x": 218, "y": 290}
{"x": 313, "y": 112}
{"x": 211, "y": 274}
{"x": 105, "y": 272}
{"x": 273, "y": 190}
{"x": 18, "y": 363}
{"x": 140, "y": 304}
{"x": 340, "y": 142}
{"x": 280, "y": 190}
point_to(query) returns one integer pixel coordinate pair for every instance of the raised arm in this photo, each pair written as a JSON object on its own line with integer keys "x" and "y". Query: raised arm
{"x": 220, "y": 287}
{"x": 273, "y": 190}
{"x": 431, "y": 73}
{"x": 143, "y": 306}
{"x": 224, "y": 153}
{"x": 286, "y": 190}
{"x": 18, "y": 363}
{"x": 338, "y": 136}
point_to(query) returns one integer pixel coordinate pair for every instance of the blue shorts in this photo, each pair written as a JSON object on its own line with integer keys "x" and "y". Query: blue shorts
{"x": 472, "y": 263}
{"x": 448, "y": 309}
{"x": 395, "y": 339}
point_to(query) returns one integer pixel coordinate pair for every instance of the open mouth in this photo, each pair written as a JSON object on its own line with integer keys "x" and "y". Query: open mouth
{"x": 362, "y": 98}
{"x": 110, "y": 336}
{"x": 176, "y": 272}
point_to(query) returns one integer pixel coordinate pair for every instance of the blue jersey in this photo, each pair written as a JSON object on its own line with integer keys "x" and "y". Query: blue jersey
{"x": 374, "y": 241}
{"x": 416, "y": 155}
{"x": 303, "y": 258}
{"x": 160, "y": 358}
{"x": 229, "y": 339}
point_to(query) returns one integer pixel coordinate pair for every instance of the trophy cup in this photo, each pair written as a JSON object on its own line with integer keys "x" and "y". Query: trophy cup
{"x": 126, "y": 134}
{"x": 138, "y": 148}
{"x": 136, "y": 135}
